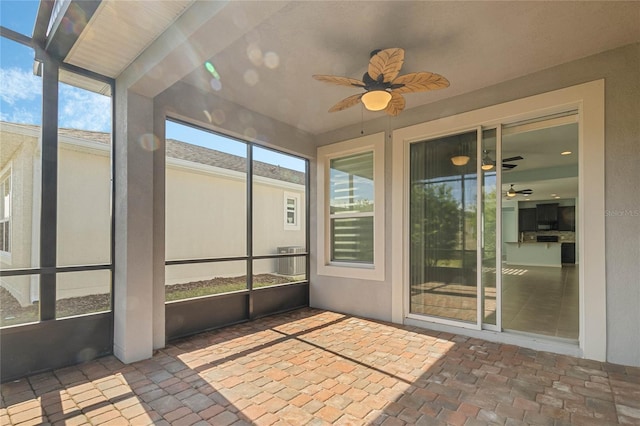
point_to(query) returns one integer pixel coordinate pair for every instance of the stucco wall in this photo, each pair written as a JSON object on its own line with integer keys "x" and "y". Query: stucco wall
{"x": 206, "y": 217}
{"x": 84, "y": 205}
{"x": 84, "y": 218}
{"x": 22, "y": 167}
{"x": 621, "y": 70}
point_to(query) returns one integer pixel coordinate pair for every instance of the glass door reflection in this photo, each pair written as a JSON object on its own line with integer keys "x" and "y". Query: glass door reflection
{"x": 443, "y": 227}
{"x": 488, "y": 226}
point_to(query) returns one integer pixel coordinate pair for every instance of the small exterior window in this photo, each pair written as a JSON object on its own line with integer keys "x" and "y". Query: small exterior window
{"x": 291, "y": 211}
{"x": 351, "y": 208}
{"x": 5, "y": 213}
{"x": 351, "y": 202}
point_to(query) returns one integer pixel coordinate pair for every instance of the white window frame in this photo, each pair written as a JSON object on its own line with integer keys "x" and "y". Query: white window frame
{"x": 295, "y": 226}
{"x": 368, "y": 271}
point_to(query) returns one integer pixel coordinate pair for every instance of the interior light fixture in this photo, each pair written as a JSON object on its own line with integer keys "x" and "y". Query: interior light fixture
{"x": 376, "y": 100}
{"x": 486, "y": 167}
{"x": 487, "y": 162}
{"x": 460, "y": 160}
{"x": 511, "y": 192}
{"x": 566, "y": 153}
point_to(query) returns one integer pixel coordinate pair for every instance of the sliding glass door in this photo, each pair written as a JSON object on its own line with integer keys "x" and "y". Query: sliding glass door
{"x": 443, "y": 188}
{"x": 492, "y": 227}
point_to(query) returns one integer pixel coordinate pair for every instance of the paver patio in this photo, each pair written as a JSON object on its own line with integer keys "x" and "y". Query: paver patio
{"x": 314, "y": 367}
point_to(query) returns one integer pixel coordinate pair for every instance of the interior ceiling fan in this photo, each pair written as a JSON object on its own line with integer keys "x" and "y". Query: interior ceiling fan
{"x": 488, "y": 163}
{"x": 383, "y": 88}
{"x": 512, "y": 192}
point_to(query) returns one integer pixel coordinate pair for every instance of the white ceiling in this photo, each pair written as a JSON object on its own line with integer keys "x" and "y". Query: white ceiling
{"x": 543, "y": 168}
{"x": 265, "y": 60}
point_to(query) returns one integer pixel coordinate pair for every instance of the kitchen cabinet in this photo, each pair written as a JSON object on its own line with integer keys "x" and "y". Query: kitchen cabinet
{"x": 547, "y": 216}
{"x": 568, "y": 253}
{"x": 567, "y": 218}
{"x": 527, "y": 220}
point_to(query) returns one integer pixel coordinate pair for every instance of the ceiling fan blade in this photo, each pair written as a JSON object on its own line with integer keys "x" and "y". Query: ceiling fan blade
{"x": 420, "y": 82}
{"x": 346, "y": 103}
{"x": 525, "y": 191}
{"x": 396, "y": 104}
{"x": 509, "y": 166}
{"x": 516, "y": 158}
{"x": 340, "y": 81}
{"x": 387, "y": 63}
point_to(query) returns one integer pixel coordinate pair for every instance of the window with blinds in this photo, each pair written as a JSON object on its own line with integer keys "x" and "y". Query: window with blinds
{"x": 351, "y": 208}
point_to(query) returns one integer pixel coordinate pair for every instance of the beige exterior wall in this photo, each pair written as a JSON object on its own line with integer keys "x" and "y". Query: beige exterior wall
{"x": 206, "y": 217}
{"x": 84, "y": 216}
{"x": 205, "y": 213}
{"x": 19, "y": 159}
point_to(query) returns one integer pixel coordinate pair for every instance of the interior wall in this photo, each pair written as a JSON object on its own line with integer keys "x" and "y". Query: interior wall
{"x": 620, "y": 69}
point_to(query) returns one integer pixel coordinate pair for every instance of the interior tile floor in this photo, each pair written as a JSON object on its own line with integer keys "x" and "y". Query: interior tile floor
{"x": 541, "y": 300}
{"x": 314, "y": 367}
{"x": 535, "y": 300}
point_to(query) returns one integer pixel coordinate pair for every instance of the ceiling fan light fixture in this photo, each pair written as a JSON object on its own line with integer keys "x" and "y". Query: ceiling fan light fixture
{"x": 487, "y": 162}
{"x": 486, "y": 166}
{"x": 460, "y": 160}
{"x": 376, "y": 100}
{"x": 511, "y": 192}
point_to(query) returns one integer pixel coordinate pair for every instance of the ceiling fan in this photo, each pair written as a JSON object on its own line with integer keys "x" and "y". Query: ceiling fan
{"x": 383, "y": 88}
{"x": 488, "y": 163}
{"x": 512, "y": 192}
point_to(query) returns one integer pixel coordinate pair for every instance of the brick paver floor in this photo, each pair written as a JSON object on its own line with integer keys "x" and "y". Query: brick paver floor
{"x": 314, "y": 367}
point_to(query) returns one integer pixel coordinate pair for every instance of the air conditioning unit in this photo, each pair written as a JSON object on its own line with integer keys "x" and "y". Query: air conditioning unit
{"x": 291, "y": 265}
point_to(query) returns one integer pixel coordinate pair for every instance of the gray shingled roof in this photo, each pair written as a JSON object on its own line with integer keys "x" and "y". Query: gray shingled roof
{"x": 197, "y": 154}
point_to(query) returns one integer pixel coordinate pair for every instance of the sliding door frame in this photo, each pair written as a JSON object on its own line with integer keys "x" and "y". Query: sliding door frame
{"x": 406, "y": 185}
{"x": 588, "y": 100}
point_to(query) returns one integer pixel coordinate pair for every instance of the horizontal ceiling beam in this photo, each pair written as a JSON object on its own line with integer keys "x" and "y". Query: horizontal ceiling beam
{"x": 67, "y": 26}
{"x": 204, "y": 30}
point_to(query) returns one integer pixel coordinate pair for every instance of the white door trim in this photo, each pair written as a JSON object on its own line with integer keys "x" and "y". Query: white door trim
{"x": 588, "y": 99}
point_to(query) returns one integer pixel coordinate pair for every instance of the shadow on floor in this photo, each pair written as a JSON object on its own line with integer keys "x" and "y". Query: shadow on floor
{"x": 314, "y": 367}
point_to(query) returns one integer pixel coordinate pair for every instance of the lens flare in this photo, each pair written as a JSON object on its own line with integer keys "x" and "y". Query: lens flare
{"x": 250, "y": 133}
{"x": 215, "y": 84}
{"x": 86, "y": 354}
{"x": 254, "y": 54}
{"x": 240, "y": 19}
{"x": 271, "y": 60}
{"x": 251, "y": 77}
{"x": 218, "y": 116}
{"x": 149, "y": 142}
{"x": 75, "y": 20}
{"x": 212, "y": 70}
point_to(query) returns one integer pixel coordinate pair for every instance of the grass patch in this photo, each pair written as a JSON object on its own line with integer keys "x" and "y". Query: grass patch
{"x": 11, "y": 313}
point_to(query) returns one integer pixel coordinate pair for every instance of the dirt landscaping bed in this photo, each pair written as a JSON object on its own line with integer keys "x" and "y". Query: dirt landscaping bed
{"x": 11, "y": 313}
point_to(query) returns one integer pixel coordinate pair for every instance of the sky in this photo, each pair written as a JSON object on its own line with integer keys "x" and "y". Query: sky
{"x": 20, "y": 95}
{"x": 20, "y": 90}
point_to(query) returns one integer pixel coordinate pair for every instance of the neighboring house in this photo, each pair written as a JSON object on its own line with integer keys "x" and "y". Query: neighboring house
{"x": 84, "y": 212}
